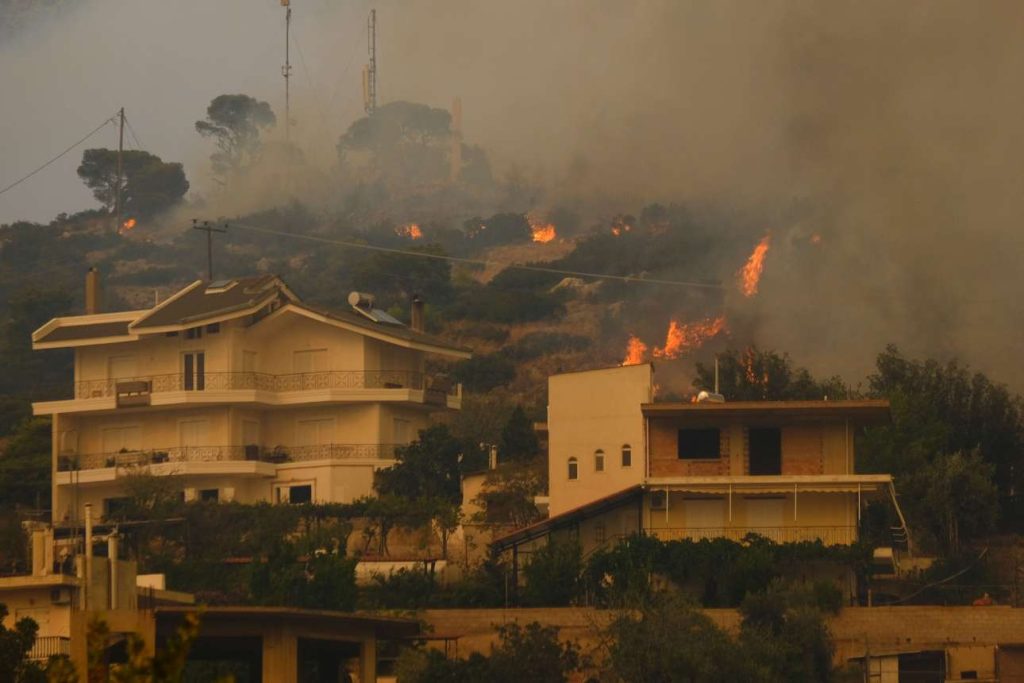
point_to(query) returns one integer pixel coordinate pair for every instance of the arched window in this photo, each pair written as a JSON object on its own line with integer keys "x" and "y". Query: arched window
{"x": 627, "y": 455}
{"x": 599, "y": 460}
{"x": 574, "y": 469}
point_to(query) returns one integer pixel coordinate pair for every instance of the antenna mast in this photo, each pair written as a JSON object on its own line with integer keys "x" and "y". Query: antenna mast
{"x": 370, "y": 85}
{"x": 118, "y": 204}
{"x": 286, "y": 70}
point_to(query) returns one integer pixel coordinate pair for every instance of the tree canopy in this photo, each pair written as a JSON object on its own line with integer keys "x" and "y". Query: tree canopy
{"x": 150, "y": 185}
{"x": 756, "y": 375}
{"x": 427, "y": 469}
{"x": 235, "y": 123}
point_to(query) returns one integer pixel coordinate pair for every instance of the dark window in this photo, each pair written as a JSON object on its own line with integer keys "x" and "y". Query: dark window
{"x": 115, "y": 506}
{"x": 194, "y": 333}
{"x": 172, "y": 334}
{"x": 765, "y": 451}
{"x": 300, "y": 494}
{"x": 699, "y": 444}
{"x": 213, "y": 328}
{"x": 599, "y": 460}
{"x": 627, "y": 456}
{"x": 208, "y": 495}
{"x": 574, "y": 469}
{"x": 194, "y": 371}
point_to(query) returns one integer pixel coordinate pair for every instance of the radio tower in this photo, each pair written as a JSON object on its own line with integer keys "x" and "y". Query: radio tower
{"x": 370, "y": 72}
{"x": 286, "y": 70}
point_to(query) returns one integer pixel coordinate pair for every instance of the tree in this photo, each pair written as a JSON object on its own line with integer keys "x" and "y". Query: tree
{"x": 28, "y": 373}
{"x": 427, "y": 469}
{"x": 25, "y": 466}
{"x": 235, "y": 122}
{"x": 518, "y": 438}
{"x": 150, "y": 185}
{"x": 755, "y": 375}
{"x": 553, "y": 574}
{"x": 15, "y": 645}
{"x": 508, "y": 493}
{"x": 959, "y": 501}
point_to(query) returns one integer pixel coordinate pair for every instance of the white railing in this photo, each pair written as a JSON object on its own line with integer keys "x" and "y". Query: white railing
{"x": 829, "y": 535}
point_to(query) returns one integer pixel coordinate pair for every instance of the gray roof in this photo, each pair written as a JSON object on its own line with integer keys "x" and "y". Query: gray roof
{"x": 199, "y": 304}
{"x": 90, "y": 331}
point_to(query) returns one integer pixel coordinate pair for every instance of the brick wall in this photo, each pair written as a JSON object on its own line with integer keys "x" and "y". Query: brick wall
{"x": 665, "y": 462}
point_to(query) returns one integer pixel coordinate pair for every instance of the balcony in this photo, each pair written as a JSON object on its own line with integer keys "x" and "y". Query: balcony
{"x": 186, "y": 455}
{"x": 49, "y": 646}
{"x": 829, "y": 535}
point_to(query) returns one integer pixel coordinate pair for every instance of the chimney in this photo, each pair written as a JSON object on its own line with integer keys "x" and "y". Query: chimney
{"x": 416, "y": 321}
{"x": 92, "y": 292}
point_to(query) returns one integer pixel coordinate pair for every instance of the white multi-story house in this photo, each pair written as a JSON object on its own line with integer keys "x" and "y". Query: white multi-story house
{"x": 242, "y": 392}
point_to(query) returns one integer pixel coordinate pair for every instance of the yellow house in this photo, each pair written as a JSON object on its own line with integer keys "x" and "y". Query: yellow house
{"x": 621, "y": 464}
{"x": 242, "y": 391}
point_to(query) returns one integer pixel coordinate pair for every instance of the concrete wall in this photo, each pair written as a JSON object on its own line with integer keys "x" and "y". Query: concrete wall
{"x": 591, "y": 411}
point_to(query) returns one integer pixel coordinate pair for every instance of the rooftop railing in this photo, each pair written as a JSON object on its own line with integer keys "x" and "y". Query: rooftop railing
{"x": 252, "y": 453}
{"x": 829, "y": 535}
{"x": 261, "y": 381}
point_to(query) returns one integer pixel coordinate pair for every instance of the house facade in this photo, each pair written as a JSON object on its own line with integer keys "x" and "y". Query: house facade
{"x": 620, "y": 463}
{"x": 242, "y": 392}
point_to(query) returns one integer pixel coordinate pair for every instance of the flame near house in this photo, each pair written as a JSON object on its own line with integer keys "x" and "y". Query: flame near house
{"x": 684, "y": 337}
{"x": 635, "y": 350}
{"x": 410, "y": 230}
{"x": 750, "y": 274}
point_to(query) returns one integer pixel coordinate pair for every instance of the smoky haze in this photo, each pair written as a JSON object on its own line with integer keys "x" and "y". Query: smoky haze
{"x": 893, "y": 131}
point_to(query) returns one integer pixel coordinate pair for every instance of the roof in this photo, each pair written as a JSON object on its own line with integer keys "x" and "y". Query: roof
{"x": 201, "y": 301}
{"x": 268, "y": 617}
{"x": 86, "y": 331}
{"x": 860, "y": 410}
{"x": 566, "y": 518}
{"x": 394, "y": 330}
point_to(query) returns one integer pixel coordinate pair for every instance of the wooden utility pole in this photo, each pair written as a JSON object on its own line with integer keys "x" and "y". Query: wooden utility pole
{"x": 286, "y": 70}
{"x": 209, "y": 230}
{"x": 118, "y": 205}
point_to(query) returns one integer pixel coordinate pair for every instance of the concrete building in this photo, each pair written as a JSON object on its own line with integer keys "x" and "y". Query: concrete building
{"x": 621, "y": 464}
{"x": 240, "y": 390}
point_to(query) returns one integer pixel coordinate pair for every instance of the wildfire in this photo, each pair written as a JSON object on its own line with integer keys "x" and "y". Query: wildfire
{"x": 815, "y": 238}
{"x": 543, "y": 231}
{"x": 127, "y": 225}
{"x": 683, "y": 337}
{"x": 750, "y": 274}
{"x": 411, "y": 230}
{"x": 635, "y": 350}
{"x": 620, "y": 226}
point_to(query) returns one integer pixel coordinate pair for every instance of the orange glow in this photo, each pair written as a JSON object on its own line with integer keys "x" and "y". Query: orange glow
{"x": 683, "y": 337}
{"x": 412, "y": 231}
{"x": 815, "y": 238}
{"x": 750, "y": 274}
{"x": 620, "y": 226}
{"x": 635, "y": 350}
{"x": 542, "y": 230}
{"x": 126, "y": 226}
{"x": 748, "y": 364}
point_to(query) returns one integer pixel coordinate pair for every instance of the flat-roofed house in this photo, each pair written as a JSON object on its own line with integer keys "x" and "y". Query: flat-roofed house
{"x": 241, "y": 390}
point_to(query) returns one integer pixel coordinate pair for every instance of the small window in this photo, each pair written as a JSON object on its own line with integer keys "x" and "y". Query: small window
{"x": 599, "y": 460}
{"x": 194, "y": 333}
{"x": 208, "y": 495}
{"x": 600, "y": 533}
{"x": 300, "y": 494}
{"x": 699, "y": 444}
{"x": 627, "y": 456}
{"x": 658, "y": 500}
{"x": 115, "y": 506}
{"x": 213, "y": 328}
{"x": 172, "y": 334}
{"x": 574, "y": 469}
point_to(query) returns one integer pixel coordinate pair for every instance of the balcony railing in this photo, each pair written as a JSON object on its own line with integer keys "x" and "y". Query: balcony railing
{"x": 49, "y": 646}
{"x": 260, "y": 381}
{"x": 829, "y": 535}
{"x": 252, "y": 453}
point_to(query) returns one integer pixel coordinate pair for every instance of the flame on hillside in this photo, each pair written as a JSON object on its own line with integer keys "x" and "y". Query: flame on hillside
{"x": 750, "y": 274}
{"x": 635, "y": 350}
{"x": 127, "y": 225}
{"x": 410, "y": 230}
{"x": 748, "y": 365}
{"x": 815, "y": 239}
{"x": 620, "y": 226}
{"x": 543, "y": 231}
{"x": 684, "y": 337}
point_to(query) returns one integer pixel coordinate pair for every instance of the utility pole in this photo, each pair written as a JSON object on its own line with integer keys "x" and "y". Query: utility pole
{"x": 370, "y": 84}
{"x": 286, "y": 70}
{"x": 118, "y": 205}
{"x": 209, "y": 230}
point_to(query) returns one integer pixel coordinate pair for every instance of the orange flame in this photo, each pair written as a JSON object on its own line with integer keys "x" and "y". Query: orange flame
{"x": 542, "y": 230}
{"x": 750, "y": 274}
{"x": 815, "y": 238}
{"x": 126, "y": 226}
{"x": 620, "y": 226}
{"x": 683, "y": 337}
{"x": 412, "y": 231}
{"x": 635, "y": 350}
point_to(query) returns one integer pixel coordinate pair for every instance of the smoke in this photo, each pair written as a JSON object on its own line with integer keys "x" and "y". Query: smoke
{"x": 892, "y": 130}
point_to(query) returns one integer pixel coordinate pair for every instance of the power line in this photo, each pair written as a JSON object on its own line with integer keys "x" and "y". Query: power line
{"x": 131, "y": 131}
{"x": 481, "y": 262}
{"x": 76, "y": 144}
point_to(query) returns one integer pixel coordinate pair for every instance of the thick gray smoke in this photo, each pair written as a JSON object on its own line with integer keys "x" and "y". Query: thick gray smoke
{"x": 894, "y": 131}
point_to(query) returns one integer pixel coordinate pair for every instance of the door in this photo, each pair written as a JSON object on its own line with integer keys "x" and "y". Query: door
{"x": 193, "y": 437}
{"x": 121, "y": 439}
{"x": 194, "y": 371}
{"x": 314, "y": 437}
{"x": 765, "y": 451}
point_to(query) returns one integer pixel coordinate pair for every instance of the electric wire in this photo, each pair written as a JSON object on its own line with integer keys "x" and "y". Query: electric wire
{"x": 481, "y": 262}
{"x": 76, "y": 144}
{"x": 131, "y": 131}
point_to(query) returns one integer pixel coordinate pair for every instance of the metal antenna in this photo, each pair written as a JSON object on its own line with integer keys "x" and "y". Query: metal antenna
{"x": 371, "y": 72}
{"x": 286, "y": 70}
{"x": 118, "y": 203}
{"x": 209, "y": 230}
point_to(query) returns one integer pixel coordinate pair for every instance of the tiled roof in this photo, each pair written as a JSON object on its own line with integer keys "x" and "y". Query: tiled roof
{"x": 203, "y": 301}
{"x": 89, "y": 331}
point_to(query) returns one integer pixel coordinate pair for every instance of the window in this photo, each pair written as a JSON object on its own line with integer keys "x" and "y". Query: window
{"x": 122, "y": 367}
{"x": 300, "y": 494}
{"x": 400, "y": 431}
{"x": 627, "y": 456}
{"x": 208, "y": 495}
{"x": 599, "y": 460}
{"x": 213, "y": 328}
{"x": 319, "y": 432}
{"x": 600, "y": 533}
{"x": 121, "y": 439}
{"x": 574, "y": 469}
{"x": 194, "y": 333}
{"x": 193, "y": 367}
{"x": 659, "y": 499}
{"x": 699, "y": 444}
{"x": 115, "y": 506}
{"x": 765, "y": 451}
